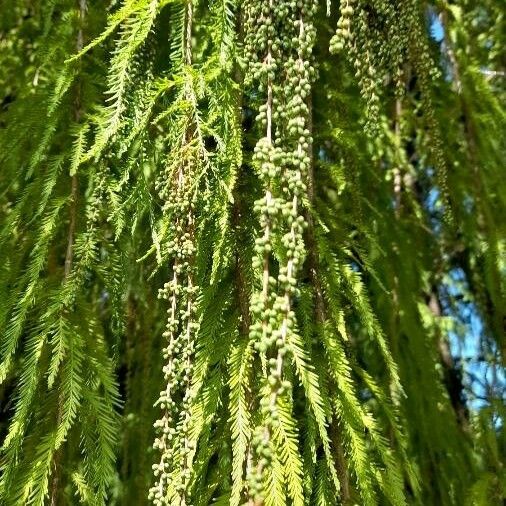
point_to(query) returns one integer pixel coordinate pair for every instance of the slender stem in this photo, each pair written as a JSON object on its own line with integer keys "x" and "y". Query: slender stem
{"x": 452, "y": 378}
{"x": 320, "y": 310}
{"x": 397, "y": 169}
{"x": 69, "y": 257}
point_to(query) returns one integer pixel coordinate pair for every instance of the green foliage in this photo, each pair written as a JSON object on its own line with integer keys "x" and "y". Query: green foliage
{"x": 261, "y": 235}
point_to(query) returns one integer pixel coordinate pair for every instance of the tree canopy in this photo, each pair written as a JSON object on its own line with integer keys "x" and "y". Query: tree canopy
{"x": 252, "y": 252}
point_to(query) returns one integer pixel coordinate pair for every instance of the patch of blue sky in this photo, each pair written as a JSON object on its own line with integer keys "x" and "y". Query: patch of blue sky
{"x": 436, "y": 29}
{"x": 481, "y": 375}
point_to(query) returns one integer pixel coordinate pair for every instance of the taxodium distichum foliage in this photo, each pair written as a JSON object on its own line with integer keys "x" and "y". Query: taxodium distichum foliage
{"x": 252, "y": 253}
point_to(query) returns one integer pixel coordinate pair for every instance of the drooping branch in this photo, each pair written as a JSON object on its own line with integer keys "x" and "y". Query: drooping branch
{"x": 173, "y": 472}
{"x": 69, "y": 254}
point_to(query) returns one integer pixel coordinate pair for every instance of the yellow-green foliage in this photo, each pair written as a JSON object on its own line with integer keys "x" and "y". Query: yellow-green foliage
{"x": 244, "y": 250}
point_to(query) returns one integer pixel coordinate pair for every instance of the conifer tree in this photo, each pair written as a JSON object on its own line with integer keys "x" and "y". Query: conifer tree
{"x": 253, "y": 253}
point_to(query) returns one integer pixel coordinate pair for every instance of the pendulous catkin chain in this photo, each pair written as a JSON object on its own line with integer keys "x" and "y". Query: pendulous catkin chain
{"x": 280, "y": 56}
{"x": 173, "y": 472}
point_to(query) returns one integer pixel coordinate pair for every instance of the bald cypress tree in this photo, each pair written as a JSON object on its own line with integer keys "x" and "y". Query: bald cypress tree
{"x": 253, "y": 253}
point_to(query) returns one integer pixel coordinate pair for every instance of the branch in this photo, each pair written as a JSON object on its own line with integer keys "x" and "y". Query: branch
{"x": 69, "y": 257}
